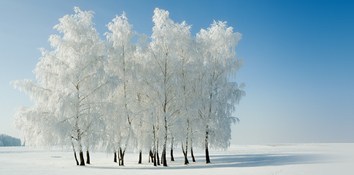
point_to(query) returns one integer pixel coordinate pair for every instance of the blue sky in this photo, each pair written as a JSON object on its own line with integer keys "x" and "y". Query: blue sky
{"x": 298, "y": 59}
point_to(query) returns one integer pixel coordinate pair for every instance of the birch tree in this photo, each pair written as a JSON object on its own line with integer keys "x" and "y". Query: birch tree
{"x": 121, "y": 64}
{"x": 164, "y": 48}
{"x": 185, "y": 53}
{"x": 216, "y": 47}
{"x": 72, "y": 75}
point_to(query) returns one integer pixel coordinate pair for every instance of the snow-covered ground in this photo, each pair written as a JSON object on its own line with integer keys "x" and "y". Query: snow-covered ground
{"x": 283, "y": 159}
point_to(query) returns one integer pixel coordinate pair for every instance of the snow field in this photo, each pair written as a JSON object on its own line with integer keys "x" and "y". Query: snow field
{"x": 285, "y": 159}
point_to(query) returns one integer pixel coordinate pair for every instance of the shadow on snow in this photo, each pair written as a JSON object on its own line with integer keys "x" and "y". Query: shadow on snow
{"x": 230, "y": 161}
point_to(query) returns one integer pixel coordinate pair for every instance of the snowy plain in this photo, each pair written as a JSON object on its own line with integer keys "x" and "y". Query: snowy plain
{"x": 281, "y": 159}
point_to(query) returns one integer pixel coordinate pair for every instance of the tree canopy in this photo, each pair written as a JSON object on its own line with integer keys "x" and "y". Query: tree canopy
{"x": 145, "y": 94}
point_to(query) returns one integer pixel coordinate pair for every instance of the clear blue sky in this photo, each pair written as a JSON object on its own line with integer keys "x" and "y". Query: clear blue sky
{"x": 298, "y": 59}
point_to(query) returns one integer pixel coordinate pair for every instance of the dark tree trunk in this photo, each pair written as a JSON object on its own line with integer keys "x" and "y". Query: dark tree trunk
{"x": 172, "y": 158}
{"x": 82, "y": 160}
{"x": 185, "y": 154}
{"x": 121, "y": 157}
{"x": 88, "y": 161}
{"x": 140, "y": 157}
{"x": 151, "y": 156}
{"x": 72, "y": 144}
{"x": 155, "y": 148}
{"x": 115, "y": 157}
{"x": 163, "y": 157}
{"x": 77, "y": 162}
{"x": 118, "y": 155}
{"x": 207, "y": 158}
{"x": 192, "y": 154}
{"x": 157, "y": 159}
{"x": 186, "y": 162}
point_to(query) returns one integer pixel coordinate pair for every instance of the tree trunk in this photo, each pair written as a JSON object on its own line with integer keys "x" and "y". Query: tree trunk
{"x": 163, "y": 157}
{"x": 88, "y": 161}
{"x": 121, "y": 157}
{"x": 172, "y": 158}
{"x": 72, "y": 144}
{"x": 186, "y": 162}
{"x": 151, "y": 156}
{"x": 157, "y": 158}
{"x": 154, "y": 159}
{"x": 192, "y": 154}
{"x": 185, "y": 154}
{"x": 77, "y": 162}
{"x": 207, "y": 158}
{"x": 155, "y": 152}
{"x": 82, "y": 160}
{"x": 185, "y": 150}
{"x": 140, "y": 157}
{"x": 118, "y": 154}
{"x": 115, "y": 157}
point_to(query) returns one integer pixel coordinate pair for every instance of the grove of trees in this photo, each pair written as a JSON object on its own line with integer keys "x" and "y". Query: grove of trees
{"x": 128, "y": 91}
{"x": 6, "y": 140}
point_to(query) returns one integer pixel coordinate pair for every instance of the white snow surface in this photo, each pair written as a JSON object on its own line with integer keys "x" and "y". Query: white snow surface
{"x": 281, "y": 159}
